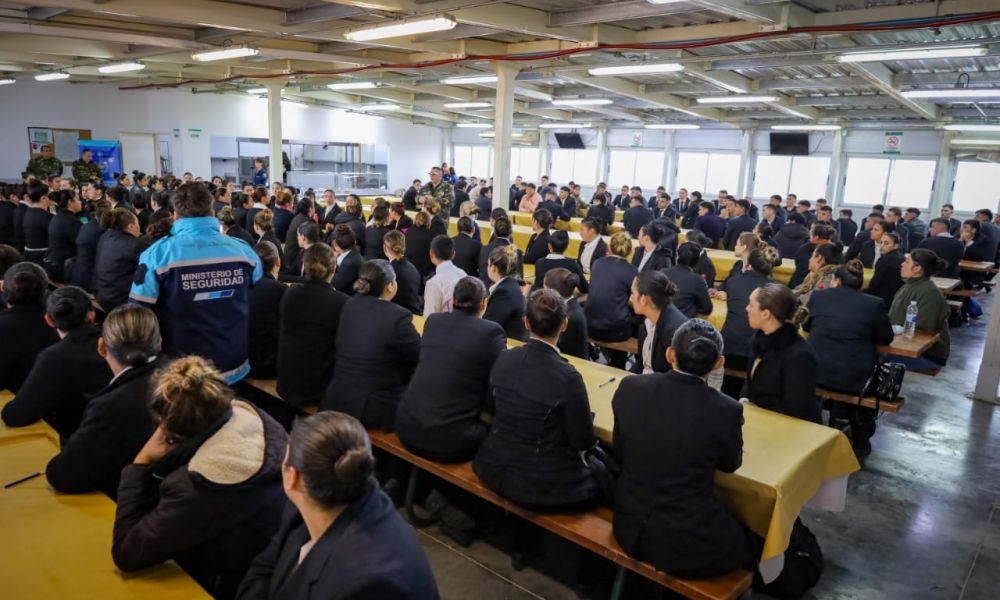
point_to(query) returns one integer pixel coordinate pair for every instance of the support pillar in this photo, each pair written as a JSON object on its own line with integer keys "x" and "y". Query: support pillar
{"x": 838, "y": 162}
{"x": 746, "y": 163}
{"x": 543, "y": 153}
{"x": 447, "y": 146}
{"x": 274, "y": 147}
{"x": 603, "y": 155}
{"x": 503, "y": 128}
{"x": 670, "y": 162}
{"x": 942, "y": 175}
{"x": 989, "y": 368}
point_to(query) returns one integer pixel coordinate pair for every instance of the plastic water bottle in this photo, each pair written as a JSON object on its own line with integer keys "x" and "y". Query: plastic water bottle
{"x": 910, "y": 327}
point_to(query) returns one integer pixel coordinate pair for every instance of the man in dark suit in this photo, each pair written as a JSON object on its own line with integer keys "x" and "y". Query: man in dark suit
{"x": 771, "y": 218}
{"x": 848, "y": 228}
{"x": 572, "y": 341}
{"x": 467, "y": 248}
{"x": 779, "y": 211}
{"x": 558, "y": 242}
{"x": 410, "y": 196}
{"x": 804, "y": 208}
{"x": 622, "y": 200}
{"x": 600, "y": 211}
{"x": 602, "y": 192}
{"x": 793, "y": 235}
{"x": 738, "y": 224}
{"x": 636, "y": 216}
{"x": 664, "y": 209}
{"x": 682, "y": 202}
{"x": 593, "y": 246}
{"x": 987, "y": 228}
{"x": 568, "y": 202}
{"x": 460, "y": 196}
{"x": 551, "y": 204}
{"x": 824, "y": 215}
{"x": 501, "y": 237}
{"x": 945, "y": 246}
{"x": 349, "y": 259}
{"x": 709, "y": 223}
{"x": 916, "y": 230}
{"x": 954, "y": 225}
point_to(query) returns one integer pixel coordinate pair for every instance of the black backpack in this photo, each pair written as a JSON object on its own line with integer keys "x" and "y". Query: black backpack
{"x": 803, "y": 566}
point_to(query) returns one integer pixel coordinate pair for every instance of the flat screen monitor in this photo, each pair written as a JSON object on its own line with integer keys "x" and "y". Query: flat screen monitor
{"x": 570, "y": 140}
{"x": 790, "y": 144}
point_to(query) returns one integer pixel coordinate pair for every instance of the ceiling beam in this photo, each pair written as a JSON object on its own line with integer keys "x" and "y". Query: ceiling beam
{"x": 812, "y": 83}
{"x": 881, "y": 77}
{"x": 866, "y": 100}
{"x": 617, "y": 11}
{"x": 788, "y": 106}
{"x": 740, "y": 9}
{"x": 531, "y": 21}
{"x": 948, "y": 79}
{"x": 210, "y": 13}
{"x": 727, "y": 80}
{"x": 49, "y": 31}
{"x": 622, "y": 87}
{"x": 318, "y": 14}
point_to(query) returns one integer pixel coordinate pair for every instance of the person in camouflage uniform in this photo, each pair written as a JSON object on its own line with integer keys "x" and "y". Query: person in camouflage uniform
{"x": 441, "y": 190}
{"x": 86, "y": 170}
{"x": 46, "y": 165}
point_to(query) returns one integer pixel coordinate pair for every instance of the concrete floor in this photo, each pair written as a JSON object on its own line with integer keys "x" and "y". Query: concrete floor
{"x": 922, "y": 517}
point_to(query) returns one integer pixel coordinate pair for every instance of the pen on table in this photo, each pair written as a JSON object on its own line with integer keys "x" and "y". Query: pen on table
{"x": 23, "y": 479}
{"x": 607, "y": 382}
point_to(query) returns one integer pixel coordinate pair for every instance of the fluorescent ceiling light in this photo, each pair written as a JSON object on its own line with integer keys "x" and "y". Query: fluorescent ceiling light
{"x": 353, "y": 85}
{"x": 564, "y": 126}
{"x": 968, "y": 142}
{"x": 736, "y": 99}
{"x": 583, "y": 102}
{"x": 467, "y": 105}
{"x": 806, "y": 127}
{"x": 953, "y": 94}
{"x": 665, "y": 1}
{"x": 916, "y": 54}
{"x": 672, "y": 126}
{"x": 7, "y": 81}
{"x": 257, "y": 91}
{"x": 972, "y": 128}
{"x": 224, "y": 53}
{"x": 637, "y": 69}
{"x": 401, "y": 28}
{"x": 469, "y": 79}
{"x": 380, "y": 107}
{"x": 492, "y": 134}
{"x": 473, "y": 125}
{"x": 122, "y": 67}
{"x": 52, "y": 76}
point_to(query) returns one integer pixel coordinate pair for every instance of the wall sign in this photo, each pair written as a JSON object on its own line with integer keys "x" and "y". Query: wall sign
{"x": 636, "y": 139}
{"x": 893, "y": 142}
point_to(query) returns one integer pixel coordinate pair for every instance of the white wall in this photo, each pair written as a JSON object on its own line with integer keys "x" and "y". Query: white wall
{"x": 108, "y": 111}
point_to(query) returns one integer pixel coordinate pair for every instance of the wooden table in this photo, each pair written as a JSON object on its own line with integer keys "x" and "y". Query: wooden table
{"x": 912, "y": 348}
{"x": 59, "y": 545}
{"x": 975, "y": 265}
{"x": 945, "y": 284}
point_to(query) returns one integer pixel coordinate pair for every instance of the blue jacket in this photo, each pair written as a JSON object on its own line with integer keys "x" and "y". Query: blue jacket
{"x": 260, "y": 177}
{"x": 198, "y": 281}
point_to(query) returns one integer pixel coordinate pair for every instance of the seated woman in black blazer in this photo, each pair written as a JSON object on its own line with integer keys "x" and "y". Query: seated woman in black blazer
{"x": 265, "y": 312}
{"x": 886, "y": 280}
{"x": 692, "y": 293}
{"x": 438, "y": 222}
{"x": 538, "y": 243}
{"x": 63, "y": 229}
{"x": 609, "y": 318}
{"x": 736, "y": 290}
{"x": 652, "y": 293}
{"x": 310, "y": 317}
{"x": 651, "y": 254}
{"x": 555, "y": 259}
{"x": 781, "y": 368}
{"x": 232, "y": 225}
{"x": 506, "y": 304}
{"x": 574, "y": 340}
{"x": 672, "y": 433}
{"x": 66, "y": 374}
{"x": 845, "y": 329}
{"x": 439, "y": 415}
{"x": 377, "y": 350}
{"x": 117, "y": 258}
{"x": 263, "y": 227}
{"x": 340, "y": 536}
{"x": 543, "y": 423}
{"x": 705, "y": 266}
{"x": 117, "y": 421}
{"x": 870, "y": 250}
{"x": 374, "y": 234}
{"x": 408, "y": 281}
{"x": 418, "y": 245}
{"x": 206, "y": 488}
{"x": 24, "y": 286}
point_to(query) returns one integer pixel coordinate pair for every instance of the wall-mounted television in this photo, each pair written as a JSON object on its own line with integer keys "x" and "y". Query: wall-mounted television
{"x": 570, "y": 140}
{"x": 790, "y": 144}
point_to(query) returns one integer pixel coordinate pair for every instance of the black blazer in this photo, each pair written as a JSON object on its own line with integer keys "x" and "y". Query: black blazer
{"x": 845, "y": 328}
{"x": 544, "y": 265}
{"x": 663, "y": 333}
{"x": 87, "y": 240}
{"x": 506, "y": 307}
{"x": 26, "y": 325}
{"x": 484, "y": 257}
{"x": 692, "y": 296}
{"x": 467, "y": 251}
{"x": 600, "y": 251}
{"x": 734, "y": 228}
{"x": 237, "y": 231}
{"x": 356, "y": 224}
{"x": 439, "y": 415}
{"x": 662, "y": 258}
{"x": 538, "y": 247}
{"x": 736, "y": 331}
{"x": 886, "y": 280}
{"x": 542, "y": 422}
{"x": 418, "y": 248}
{"x": 981, "y": 248}
{"x": 574, "y": 341}
{"x": 116, "y": 424}
{"x": 310, "y": 316}
{"x": 117, "y": 259}
{"x": 36, "y": 233}
{"x": 407, "y": 285}
{"x": 7, "y": 221}
{"x": 292, "y": 241}
{"x": 439, "y": 225}
{"x": 265, "y": 326}
{"x": 672, "y": 434}
{"x": 706, "y": 269}
{"x": 368, "y": 552}
{"x": 556, "y": 209}
{"x": 605, "y": 214}
{"x": 609, "y": 318}
{"x": 347, "y": 272}
{"x": 790, "y": 238}
{"x": 784, "y": 379}
{"x": 950, "y": 249}
{"x": 377, "y": 351}
{"x": 848, "y": 230}
{"x": 373, "y": 242}
{"x": 64, "y": 377}
{"x": 801, "y": 257}
{"x": 634, "y": 218}
{"x": 63, "y": 229}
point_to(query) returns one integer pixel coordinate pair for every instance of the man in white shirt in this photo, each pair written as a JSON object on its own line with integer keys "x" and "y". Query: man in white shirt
{"x": 441, "y": 287}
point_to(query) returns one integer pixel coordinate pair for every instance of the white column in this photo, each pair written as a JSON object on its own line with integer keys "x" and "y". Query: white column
{"x": 989, "y": 368}
{"x": 838, "y": 162}
{"x": 503, "y": 126}
{"x": 275, "y": 164}
{"x": 670, "y": 162}
{"x": 603, "y": 155}
{"x": 447, "y": 147}
{"x": 942, "y": 176}
{"x": 746, "y": 162}
{"x": 543, "y": 153}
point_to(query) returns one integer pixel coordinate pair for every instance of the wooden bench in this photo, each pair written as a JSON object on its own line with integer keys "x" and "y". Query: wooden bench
{"x": 93, "y": 301}
{"x": 270, "y": 387}
{"x": 590, "y": 530}
{"x": 868, "y": 402}
{"x": 630, "y": 345}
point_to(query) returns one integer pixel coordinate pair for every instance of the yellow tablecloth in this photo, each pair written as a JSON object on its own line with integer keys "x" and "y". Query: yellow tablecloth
{"x": 724, "y": 260}
{"x": 573, "y": 225}
{"x": 389, "y": 199}
{"x": 59, "y": 546}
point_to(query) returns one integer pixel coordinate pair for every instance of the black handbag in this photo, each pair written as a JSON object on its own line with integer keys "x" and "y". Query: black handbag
{"x": 885, "y": 382}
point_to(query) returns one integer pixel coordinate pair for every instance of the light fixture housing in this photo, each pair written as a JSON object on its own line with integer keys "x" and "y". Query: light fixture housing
{"x": 467, "y": 105}
{"x": 974, "y": 142}
{"x": 564, "y": 126}
{"x": 256, "y": 91}
{"x": 54, "y": 76}
{"x": 473, "y": 125}
{"x": 401, "y": 28}
{"x": 124, "y": 67}
{"x": 637, "y": 69}
{"x": 353, "y": 85}
{"x": 583, "y": 101}
{"x": 674, "y": 126}
{"x": 224, "y": 53}
{"x": 493, "y": 134}
{"x": 7, "y": 80}
{"x": 469, "y": 79}
{"x": 380, "y": 107}
{"x": 972, "y": 128}
{"x": 913, "y": 54}
{"x": 737, "y": 99}
{"x": 665, "y": 1}
{"x": 817, "y": 127}
{"x": 960, "y": 94}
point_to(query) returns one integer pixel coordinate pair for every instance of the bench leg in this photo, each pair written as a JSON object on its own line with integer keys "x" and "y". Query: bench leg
{"x": 411, "y": 492}
{"x": 616, "y": 589}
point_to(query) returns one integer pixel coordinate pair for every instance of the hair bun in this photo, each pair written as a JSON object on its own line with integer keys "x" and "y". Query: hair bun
{"x": 353, "y": 465}
{"x": 362, "y": 286}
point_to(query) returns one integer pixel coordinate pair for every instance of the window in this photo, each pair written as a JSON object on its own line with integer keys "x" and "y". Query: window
{"x": 973, "y": 182}
{"x": 632, "y": 167}
{"x": 805, "y": 176}
{"x": 580, "y": 166}
{"x": 893, "y": 182}
{"x": 473, "y": 161}
{"x": 524, "y": 162}
{"x": 708, "y": 172}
